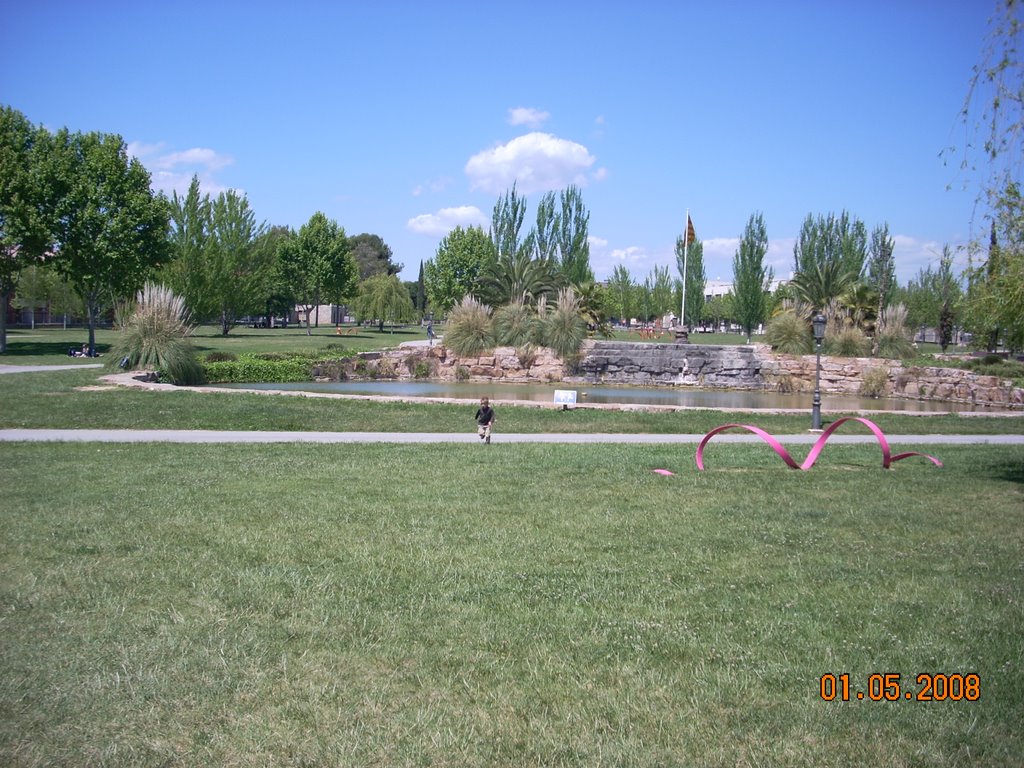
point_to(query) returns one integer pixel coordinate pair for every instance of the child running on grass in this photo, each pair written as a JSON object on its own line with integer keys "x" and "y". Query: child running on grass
{"x": 484, "y": 420}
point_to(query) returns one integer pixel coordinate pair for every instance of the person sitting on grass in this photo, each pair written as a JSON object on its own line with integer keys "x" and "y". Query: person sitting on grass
{"x": 484, "y": 420}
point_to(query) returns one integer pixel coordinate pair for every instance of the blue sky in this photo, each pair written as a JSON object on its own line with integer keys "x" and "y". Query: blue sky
{"x": 405, "y": 119}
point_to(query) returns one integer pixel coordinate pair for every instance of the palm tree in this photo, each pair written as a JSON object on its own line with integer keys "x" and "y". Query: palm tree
{"x": 821, "y": 283}
{"x": 518, "y": 277}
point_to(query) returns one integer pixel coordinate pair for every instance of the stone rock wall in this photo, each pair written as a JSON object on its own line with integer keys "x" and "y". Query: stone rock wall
{"x": 622, "y": 362}
{"x": 750, "y": 367}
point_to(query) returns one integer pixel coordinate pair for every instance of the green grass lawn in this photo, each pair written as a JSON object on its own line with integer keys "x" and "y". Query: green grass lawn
{"x": 528, "y": 605}
{"x": 79, "y": 399}
{"x": 512, "y": 605}
{"x": 44, "y": 346}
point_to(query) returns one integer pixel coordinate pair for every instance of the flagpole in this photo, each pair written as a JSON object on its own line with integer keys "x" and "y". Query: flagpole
{"x": 686, "y": 246}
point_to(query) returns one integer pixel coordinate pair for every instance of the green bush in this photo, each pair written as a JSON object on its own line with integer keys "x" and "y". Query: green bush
{"x": 874, "y": 382}
{"x": 154, "y": 336}
{"x": 789, "y": 334}
{"x": 849, "y": 342}
{"x": 258, "y": 369}
{"x": 219, "y": 357}
{"x": 469, "y": 331}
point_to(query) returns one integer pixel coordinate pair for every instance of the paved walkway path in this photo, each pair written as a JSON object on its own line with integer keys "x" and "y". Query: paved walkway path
{"x": 227, "y": 436}
{"x": 38, "y": 368}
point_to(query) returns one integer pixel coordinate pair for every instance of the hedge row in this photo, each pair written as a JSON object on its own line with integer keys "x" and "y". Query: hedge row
{"x": 252, "y": 369}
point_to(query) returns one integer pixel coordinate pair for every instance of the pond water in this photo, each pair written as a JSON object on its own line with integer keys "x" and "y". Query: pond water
{"x": 597, "y": 393}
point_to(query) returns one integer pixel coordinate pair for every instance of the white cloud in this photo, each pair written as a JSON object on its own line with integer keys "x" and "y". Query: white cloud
{"x": 596, "y": 242}
{"x": 527, "y": 116}
{"x": 535, "y": 162}
{"x": 173, "y": 171}
{"x": 912, "y": 255}
{"x": 437, "y": 185}
{"x": 445, "y": 220}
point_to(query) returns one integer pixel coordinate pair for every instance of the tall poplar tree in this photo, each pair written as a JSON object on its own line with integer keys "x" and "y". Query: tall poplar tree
{"x": 751, "y": 277}
{"x": 573, "y": 238}
{"x": 239, "y": 271}
{"x": 693, "y": 281}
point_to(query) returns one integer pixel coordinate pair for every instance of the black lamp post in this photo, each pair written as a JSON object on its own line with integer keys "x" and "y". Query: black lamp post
{"x": 818, "y": 324}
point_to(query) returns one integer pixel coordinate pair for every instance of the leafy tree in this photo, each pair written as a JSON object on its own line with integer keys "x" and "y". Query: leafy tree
{"x": 111, "y": 232}
{"x": 921, "y": 300}
{"x": 383, "y": 298}
{"x": 881, "y": 272}
{"x": 278, "y": 298}
{"x": 317, "y": 265}
{"x": 372, "y": 255}
{"x": 993, "y": 116}
{"x": 751, "y": 278}
{"x": 994, "y": 304}
{"x": 506, "y": 223}
{"x": 829, "y": 256}
{"x": 26, "y": 225}
{"x": 239, "y": 271}
{"x": 457, "y": 268}
{"x": 662, "y": 300}
{"x": 694, "y": 280}
{"x": 546, "y": 230}
{"x": 420, "y": 297}
{"x": 720, "y": 309}
{"x": 949, "y": 292}
{"x": 186, "y": 273}
{"x": 38, "y": 286}
{"x": 573, "y": 238}
{"x": 620, "y": 294}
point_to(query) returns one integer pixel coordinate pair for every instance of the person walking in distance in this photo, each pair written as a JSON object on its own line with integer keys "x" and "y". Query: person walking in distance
{"x": 484, "y": 420}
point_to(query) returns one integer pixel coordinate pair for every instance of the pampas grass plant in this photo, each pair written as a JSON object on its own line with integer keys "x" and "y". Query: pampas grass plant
{"x": 513, "y": 324}
{"x": 790, "y": 334}
{"x": 154, "y": 335}
{"x": 893, "y": 337}
{"x": 564, "y": 328}
{"x": 470, "y": 328}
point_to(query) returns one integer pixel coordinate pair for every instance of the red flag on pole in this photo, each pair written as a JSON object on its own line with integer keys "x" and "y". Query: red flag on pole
{"x": 690, "y": 234}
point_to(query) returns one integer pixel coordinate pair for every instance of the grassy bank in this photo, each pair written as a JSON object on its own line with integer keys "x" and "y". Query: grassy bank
{"x": 79, "y": 399}
{"x": 518, "y": 605}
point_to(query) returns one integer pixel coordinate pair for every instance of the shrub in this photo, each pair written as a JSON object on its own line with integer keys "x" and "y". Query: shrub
{"x": 469, "y": 330}
{"x": 462, "y": 373}
{"x": 848, "y": 342}
{"x": 423, "y": 370}
{"x": 154, "y": 336}
{"x": 526, "y": 354}
{"x": 874, "y": 382}
{"x": 892, "y": 339}
{"x": 385, "y": 369}
{"x": 513, "y": 324}
{"x": 257, "y": 369}
{"x": 564, "y": 328}
{"x": 219, "y": 357}
{"x": 790, "y": 334}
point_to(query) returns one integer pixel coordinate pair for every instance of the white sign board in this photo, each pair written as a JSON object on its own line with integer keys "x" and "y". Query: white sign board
{"x": 565, "y": 397}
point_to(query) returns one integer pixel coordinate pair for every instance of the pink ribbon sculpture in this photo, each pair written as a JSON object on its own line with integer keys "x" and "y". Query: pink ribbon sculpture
{"x": 887, "y": 457}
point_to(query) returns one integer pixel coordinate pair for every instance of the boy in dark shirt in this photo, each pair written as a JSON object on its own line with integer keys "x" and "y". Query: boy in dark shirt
{"x": 484, "y": 420}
